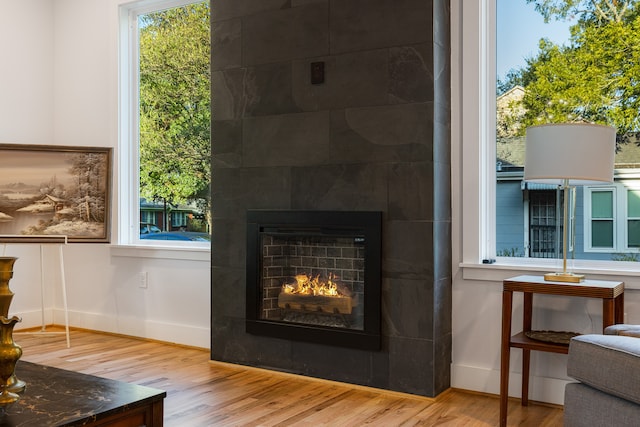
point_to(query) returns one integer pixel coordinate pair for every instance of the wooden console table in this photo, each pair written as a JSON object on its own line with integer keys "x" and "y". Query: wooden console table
{"x": 57, "y": 397}
{"x": 611, "y": 293}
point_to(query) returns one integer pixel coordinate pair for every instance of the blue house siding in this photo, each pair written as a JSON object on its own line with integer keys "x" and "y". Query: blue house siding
{"x": 510, "y": 226}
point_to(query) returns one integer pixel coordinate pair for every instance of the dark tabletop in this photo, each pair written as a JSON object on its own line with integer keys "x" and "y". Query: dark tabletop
{"x": 57, "y": 397}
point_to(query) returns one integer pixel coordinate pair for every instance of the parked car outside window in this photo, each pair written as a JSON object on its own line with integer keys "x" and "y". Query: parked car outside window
{"x": 146, "y": 228}
{"x": 178, "y": 235}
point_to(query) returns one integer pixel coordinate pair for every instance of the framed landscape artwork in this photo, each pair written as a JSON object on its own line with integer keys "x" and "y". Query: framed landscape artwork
{"x": 54, "y": 193}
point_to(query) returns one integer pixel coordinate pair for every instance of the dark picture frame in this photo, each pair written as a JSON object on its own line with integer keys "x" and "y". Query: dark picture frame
{"x": 55, "y": 193}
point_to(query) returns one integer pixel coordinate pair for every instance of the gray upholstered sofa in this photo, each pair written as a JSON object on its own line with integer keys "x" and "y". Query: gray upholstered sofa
{"x": 607, "y": 368}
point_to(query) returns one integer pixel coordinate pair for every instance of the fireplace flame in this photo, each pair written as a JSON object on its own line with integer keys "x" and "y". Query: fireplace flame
{"x": 306, "y": 285}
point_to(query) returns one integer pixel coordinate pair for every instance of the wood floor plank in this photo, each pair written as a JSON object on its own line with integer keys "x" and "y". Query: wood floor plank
{"x": 201, "y": 393}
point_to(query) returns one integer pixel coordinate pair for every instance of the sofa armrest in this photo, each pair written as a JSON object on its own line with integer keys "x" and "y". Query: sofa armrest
{"x": 610, "y": 363}
{"x": 623, "y": 329}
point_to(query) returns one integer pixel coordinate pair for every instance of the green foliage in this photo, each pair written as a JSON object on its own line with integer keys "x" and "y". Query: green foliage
{"x": 595, "y": 78}
{"x": 197, "y": 225}
{"x": 586, "y": 10}
{"x": 630, "y": 256}
{"x": 175, "y": 105}
{"x": 513, "y": 78}
{"x": 511, "y": 252}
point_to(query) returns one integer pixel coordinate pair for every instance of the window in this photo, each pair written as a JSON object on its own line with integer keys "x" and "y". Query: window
{"x": 602, "y": 219}
{"x": 601, "y": 231}
{"x": 164, "y": 120}
{"x": 524, "y": 99}
{"x": 544, "y": 223}
{"x": 633, "y": 218}
{"x": 613, "y": 223}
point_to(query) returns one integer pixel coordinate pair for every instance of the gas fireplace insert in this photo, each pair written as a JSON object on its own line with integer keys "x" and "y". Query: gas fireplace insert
{"x": 315, "y": 276}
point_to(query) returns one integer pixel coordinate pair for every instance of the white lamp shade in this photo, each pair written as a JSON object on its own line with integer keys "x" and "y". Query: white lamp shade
{"x": 583, "y": 153}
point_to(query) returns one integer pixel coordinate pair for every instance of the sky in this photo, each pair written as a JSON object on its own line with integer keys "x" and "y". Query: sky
{"x": 34, "y": 167}
{"x": 518, "y": 30}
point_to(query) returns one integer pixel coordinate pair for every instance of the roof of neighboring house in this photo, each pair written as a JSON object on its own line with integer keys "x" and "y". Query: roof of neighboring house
{"x": 510, "y": 153}
{"x": 516, "y": 93}
{"x": 150, "y": 205}
{"x": 628, "y": 155}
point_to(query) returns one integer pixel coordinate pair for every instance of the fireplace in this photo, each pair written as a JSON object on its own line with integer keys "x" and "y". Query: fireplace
{"x": 314, "y": 276}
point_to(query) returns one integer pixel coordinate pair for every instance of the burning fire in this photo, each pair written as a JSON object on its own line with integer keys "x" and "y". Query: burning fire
{"x": 306, "y": 285}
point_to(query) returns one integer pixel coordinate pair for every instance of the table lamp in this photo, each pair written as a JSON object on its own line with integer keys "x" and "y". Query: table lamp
{"x": 569, "y": 154}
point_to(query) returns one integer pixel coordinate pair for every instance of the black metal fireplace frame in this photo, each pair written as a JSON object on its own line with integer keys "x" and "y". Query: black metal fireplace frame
{"x": 367, "y": 223}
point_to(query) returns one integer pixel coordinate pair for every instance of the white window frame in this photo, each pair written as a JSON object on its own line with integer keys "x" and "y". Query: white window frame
{"x": 616, "y": 212}
{"x": 128, "y": 134}
{"x": 474, "y": 22}
{"x": 473, "y": 52}
{"x": 620, "y": 218}
{"x": 635, "y": 187}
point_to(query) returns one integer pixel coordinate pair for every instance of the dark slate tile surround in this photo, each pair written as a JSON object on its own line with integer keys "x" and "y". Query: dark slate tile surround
{"x": 374, "y": 136}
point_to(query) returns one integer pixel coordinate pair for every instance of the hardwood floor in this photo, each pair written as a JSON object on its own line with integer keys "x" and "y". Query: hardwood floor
{"x": 205, "y": 393}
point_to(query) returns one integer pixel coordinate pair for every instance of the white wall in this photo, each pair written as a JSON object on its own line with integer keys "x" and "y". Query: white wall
{"x": 58, "y": 86}
{"x": 26, "y": 90}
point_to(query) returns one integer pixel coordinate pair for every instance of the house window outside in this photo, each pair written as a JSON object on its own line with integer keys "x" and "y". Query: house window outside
{"x": 147, "y": 217}
{"x": 179, "y": 219}
{"x": 612, "y": 224}
{"x": 633, "y": 218}
{"x": 545, "y": 224}
{"x": 602, "y": 219}
{"x": 165, "y": 118}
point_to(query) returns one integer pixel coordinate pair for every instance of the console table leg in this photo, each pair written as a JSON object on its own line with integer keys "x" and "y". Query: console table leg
{"x": 526, "y": 360}
{"x": 619, "y": 308}
{"x": 505, "y": 353}
{"x": 608, "y": 312}
{"x": 527, "y": 307}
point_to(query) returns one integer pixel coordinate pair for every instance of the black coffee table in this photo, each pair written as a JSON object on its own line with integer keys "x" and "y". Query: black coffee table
{"x": 57, "y": 397}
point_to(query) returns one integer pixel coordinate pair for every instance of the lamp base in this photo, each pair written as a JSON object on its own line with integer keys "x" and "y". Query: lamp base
{"x": 564, "y": 277}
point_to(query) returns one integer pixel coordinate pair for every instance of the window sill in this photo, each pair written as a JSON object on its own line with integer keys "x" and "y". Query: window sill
{"x": 162, "y": 252}
{"x": 629, "y": 273}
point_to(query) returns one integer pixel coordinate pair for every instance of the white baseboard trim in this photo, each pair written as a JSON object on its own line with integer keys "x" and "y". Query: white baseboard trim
{"x": 541, "y": 389}
{"x": 168, "y": 332}
{"x": 33, "y": 319}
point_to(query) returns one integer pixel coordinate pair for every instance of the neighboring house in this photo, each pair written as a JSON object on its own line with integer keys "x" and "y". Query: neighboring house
{"x": 529, "y": 215}
{"x": 508, "y": 112}
{"x": 178, "y": 217}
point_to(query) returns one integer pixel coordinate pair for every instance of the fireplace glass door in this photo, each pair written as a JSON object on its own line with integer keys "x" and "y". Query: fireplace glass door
{"x": 313, "y": 279}
{"x": 314, "y": 276}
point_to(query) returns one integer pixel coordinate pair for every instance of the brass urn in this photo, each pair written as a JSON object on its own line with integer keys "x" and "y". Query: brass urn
{"x": 10, "y": 352}
{"x": 12, "y": 384}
